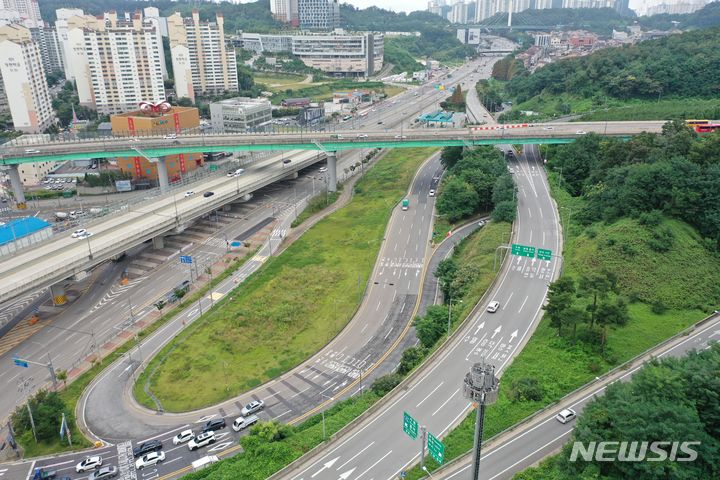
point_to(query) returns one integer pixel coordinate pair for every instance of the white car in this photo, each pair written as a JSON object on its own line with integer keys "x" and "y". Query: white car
{"x": 432, "y": 193}
{"x": 170, "y": 136}
{"x": 252, "y": 407}
{"x": 548, "y": 128}
{"x": 183, "y": 437}
{"x": 89, "y": 463}
{"x": 152, "y": 458}
{"x": 189, "y": 193}
{"x": 581, "y": 132}
{"x": 361, "y": 135}
{"x": 401, "y": 137}
{"x": 236, "y": 173}
{"x": 202, "y": 440}
{"x": 493, "y": 306}
{"x": 30, "y": 150}
{"x": 322, "y": 169}
{"x": 566, "y": 415}
{"x": 80, "y": 233}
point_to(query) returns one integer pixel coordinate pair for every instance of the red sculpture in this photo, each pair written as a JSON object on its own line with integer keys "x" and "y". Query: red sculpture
{"x": 153, "y": 109}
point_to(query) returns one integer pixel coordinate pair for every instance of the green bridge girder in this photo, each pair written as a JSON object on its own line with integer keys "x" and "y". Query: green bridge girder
{"x": 248, "y": 147}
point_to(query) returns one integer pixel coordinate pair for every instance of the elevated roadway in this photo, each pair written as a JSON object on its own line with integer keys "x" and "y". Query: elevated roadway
{"x": 374, "y": 136}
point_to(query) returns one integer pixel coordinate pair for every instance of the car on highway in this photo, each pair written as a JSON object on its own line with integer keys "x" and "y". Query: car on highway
{"x": 89, "y": 463}
{"x": 183, "y": 437}
{"x": 214, "y": 424}
{"x": 152, "y": 458}
{"x": 431, "y": 193}
{"x": 81, "y": 233}
{"x": 208, "y": 194}
{"x": 189, "y": 193}
{"x": 380, "y": 122}
{"x": 147, "y": 447}
{"x": 252, "y": 407}
{"x": 242, "y": 423}
{"x": 565, "y": 415}
{"x": 31, "y": 150}
{"x": 286, "y": 161}
{"x": 103, "y": 473}
{"x": 493, "y": 306}
{"x": 481, "y": 223}
{"x": 236, "y": 173}
{"x": 322, "y": 169}
{"x": 202, "y": 440}
{"x": 338, "y": 136}
{"x": 581, "y": 132}
{"x": 170, "y": 136}
{"x": 400, "y": 137}
{"x": 548, "y": 128}
{"x": 361, "y": 135}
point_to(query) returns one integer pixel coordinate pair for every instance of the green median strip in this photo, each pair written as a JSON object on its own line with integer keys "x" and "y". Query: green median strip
{"x": 289, "y": 309}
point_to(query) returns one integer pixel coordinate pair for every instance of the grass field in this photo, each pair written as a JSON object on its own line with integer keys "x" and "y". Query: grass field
{"x": 316, "y": 204}
{"x": 561, "y": 366}
{"x": 291, "y": 307}
{"x": 320, "y": 92}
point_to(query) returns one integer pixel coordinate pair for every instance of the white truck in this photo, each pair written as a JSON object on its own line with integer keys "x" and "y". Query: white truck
{"x": 204, "y": 462}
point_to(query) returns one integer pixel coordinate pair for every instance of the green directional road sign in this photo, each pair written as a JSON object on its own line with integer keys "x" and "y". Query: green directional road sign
{"x": 213, "y": 168}
{"x": 522, "y": 250}
{"x": 410, "y": 426}
{"x": 436, "y": 448}
{"x": 543, "y": 254}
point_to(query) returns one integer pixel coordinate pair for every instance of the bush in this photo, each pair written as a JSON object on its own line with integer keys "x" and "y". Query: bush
{"x": 384, "y": 384}
{"x": 432, "y": 326}
{"x": 526, "y": 389}
{"x": 47, "y": 408}
{"x": 658, "y": 307}
{"x": 504, "y": 212}
{"x": 650, "y": 219}
{"x": 411, "y": 358}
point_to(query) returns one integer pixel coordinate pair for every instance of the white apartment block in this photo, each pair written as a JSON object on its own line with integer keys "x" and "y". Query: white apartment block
{"x": 28, "y": 11}
{"x": 202, "y": 63}
{"x": 285, "y": 11}
{"x": 61, "y": 28}
{"x": 117, "y": 63}
{"x": 459, "y": 12}
{"x": 339, "y": 53}
{"x": 24, "y": 82}
{"x": 50, "y": 48}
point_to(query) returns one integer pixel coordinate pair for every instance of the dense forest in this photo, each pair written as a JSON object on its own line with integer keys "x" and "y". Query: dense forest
{"x": 666, "y": 401}
{"x": 674, "y": 173}
{"x": 599, "y": 20}
{"x": 684, "y": 65}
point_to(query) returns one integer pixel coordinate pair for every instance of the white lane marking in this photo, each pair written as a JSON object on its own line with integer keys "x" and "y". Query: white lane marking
{"x": 371, "y": 466}
{"x": 282, "y": 414}
{"x": 378, "y": 306}
{"x": 529, "y": 212}
{"x": 356, "y": 455}
{"x": 523, "y": 304}
{"x": 387, "y": 334}
{"x": 301, "y": 391}
{"x": 530, "y": 241}
{"x": 543, "y": 237}
{"x": 428, "y": 395}
{"x": 366, "y": 325}
{"x": 531, "y": 453}
{"x": 446, "y": 401}
{"x": 508, "y": 300}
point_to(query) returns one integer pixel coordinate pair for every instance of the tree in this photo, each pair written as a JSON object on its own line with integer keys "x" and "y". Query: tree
{"x": 597, "y": 286}
{"x": 384, "y": 384}
{"x": 504, "y": 212}
{"x": 160, "y": 304}
{"x": 445, "y": 273}
{"x": 411, "y": 358}
{"x": 457, "y": 200}
{"x": 47, "y": 408}
{"x": 62, "y": 375}
{"x": 450, "y": 156}
{"x": 611, "y": 314}
{"x": 559, "y": 300}
{"x": 432, "y": 326}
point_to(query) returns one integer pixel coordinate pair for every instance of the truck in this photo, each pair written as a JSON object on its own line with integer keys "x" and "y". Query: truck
{"x": 61, "y": 216}
{"x": 405, "y": 204}
{"x": 204, "y": 462}
{"x": 42, "y": 474}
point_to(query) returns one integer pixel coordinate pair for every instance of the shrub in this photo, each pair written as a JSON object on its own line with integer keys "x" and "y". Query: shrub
{"x": 384, "y": 384}
{"x": 411, "y": 358}
{"x": 526, "y": 389}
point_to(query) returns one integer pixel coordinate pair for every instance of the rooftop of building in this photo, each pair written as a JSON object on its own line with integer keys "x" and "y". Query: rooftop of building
{"x": 21, "y": 227}
{"x": 141, "y": 114}
{"x": 243, "y": 101}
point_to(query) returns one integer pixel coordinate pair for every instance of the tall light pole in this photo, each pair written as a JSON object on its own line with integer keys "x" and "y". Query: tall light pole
{"x": 25, "y": 385}
{"x": 332, "y": 399}
{"x": 480, "y": 387}
{"x": 450, "y": 302}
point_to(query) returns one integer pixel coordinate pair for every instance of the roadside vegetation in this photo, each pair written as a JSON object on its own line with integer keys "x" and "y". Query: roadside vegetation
{"x": 320, "y": 92}
{"x": 271, "y": 446}
{"x": 291, "y": 307}
{"x": 684, "y": 409}
{"x": 635, "y": 273}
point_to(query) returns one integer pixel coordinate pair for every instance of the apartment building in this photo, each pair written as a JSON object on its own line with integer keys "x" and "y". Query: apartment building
{"x": 319, "y": 14}
{"x": 23, "y": 77}
{"x": 338, "y": 53}
{"x": 202, "y": 63}
{"x": 61, "y": 28}
{"x": 117, "y": 62}
{"x": 285, "y": 11}
{"x": 50, "y": 48}
{"x": 28, "y": 11}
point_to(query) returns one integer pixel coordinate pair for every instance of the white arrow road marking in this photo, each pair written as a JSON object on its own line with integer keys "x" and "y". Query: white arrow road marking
{"x": 497, "y": 330}
{"x": 357, "y": 455}
{"x": 220, "y": 446}
{"x": 479, "y": 327}
{"x": 325, "y": 467}
{"x": 371, "y": 466}
{"x": 346, "y": 475}
{"x": 513, "y": 335}
{"x": 206, "y": 418}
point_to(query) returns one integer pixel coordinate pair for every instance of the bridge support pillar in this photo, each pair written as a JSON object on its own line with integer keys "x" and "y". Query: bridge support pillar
{"x": 159, "y": 242}
{"x": 332, "y": 171}
{"x": 226, "y": 208}
{"x": 58, "y": 294}
{"x": 162, "y": 175}
{"x": 17, "y": 186}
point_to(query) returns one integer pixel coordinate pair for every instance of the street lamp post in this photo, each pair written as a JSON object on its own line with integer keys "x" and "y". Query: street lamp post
{"x": 332, "y": 399}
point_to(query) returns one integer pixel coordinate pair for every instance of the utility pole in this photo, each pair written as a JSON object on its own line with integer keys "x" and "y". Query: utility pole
{"x": 25, "y": 385}
{"x": 480, "y": 387}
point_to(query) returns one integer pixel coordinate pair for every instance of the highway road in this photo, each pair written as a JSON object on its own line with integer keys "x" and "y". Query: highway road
{"x": 377, "y": 448}
{"x": 544, "y": 435}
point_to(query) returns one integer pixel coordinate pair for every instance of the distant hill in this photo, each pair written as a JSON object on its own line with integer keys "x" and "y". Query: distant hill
{"x": 598, "y": 20}
{"x": 707, "y": 17}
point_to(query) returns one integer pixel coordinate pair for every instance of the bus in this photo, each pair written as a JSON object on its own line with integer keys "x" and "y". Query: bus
{"x": 697, "y": 122}
{"x": 707, "y": 128}
{"x": 405, "y": 204}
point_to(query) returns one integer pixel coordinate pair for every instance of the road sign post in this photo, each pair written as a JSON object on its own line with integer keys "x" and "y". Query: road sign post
{"x": 20, "y": 362}
{"x": 543, "y": 254}
{"x": 410, "y": 426}
{"x": 436, "y": 449}
{"x": 522, "y": 250}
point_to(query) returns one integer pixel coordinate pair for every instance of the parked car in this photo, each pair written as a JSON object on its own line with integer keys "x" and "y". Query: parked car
{"x": 182, "y": 437}
{"x": 202, "y": 440}
{"x": 89, "y": 463}
{"x": 147, "y": 447}
{"x": 214, "y": 424}
{"x": 242, "y": 423}
{"x": 566, "y": 415}
{"x": 252, "y": 407}
{"x": 170, "y": 136}
{"x": 152, "y": 458}
{"x": 401, "y": 137}
{"x": 208, "y": 194}
{"x": 493, "y": 306}
{"x": 103, "y": 473}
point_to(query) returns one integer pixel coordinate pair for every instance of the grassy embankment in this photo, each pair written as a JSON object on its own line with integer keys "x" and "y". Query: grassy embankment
{"x": 684, "y": 279}
{"x": 261, "y": 461}
{"x": 71, "y": 393}
{"x": 289, "y": 309}
{"x": 324, "y": 91}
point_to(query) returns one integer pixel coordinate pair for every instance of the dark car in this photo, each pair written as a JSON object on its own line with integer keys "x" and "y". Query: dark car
{"x": 147, "y": 447}
{"x": 208, "y": 194}
{"x": 215, "y": 424}
{"x": 286, "y": 161}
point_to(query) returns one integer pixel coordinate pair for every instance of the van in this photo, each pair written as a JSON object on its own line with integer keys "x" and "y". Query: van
{"x": 242, "y": 423}
{"x": 204, "y": 462}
